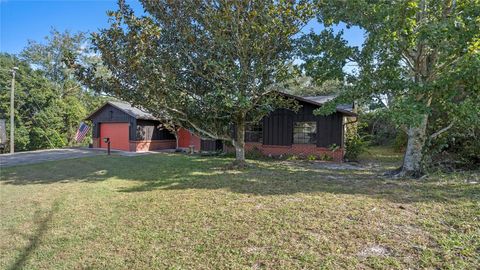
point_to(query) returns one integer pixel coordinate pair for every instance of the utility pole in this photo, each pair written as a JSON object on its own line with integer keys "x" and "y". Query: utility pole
{"x": 12, "y": 113}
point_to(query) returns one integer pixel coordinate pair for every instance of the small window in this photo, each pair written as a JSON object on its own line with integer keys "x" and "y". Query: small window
{"x": 305, "y": 132}
{"x": 253, "y": 133}
{"x": 111, "y": 115}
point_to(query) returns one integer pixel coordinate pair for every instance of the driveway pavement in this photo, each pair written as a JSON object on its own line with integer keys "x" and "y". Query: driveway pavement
{"x": 30, "y": 157}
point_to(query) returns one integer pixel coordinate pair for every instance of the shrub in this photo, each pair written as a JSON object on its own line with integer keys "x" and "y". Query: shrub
{"x": 292, "y": 157}
{"x": 255, "y": 153}
{"x": 334, "y": 147}
{"x": 400, "y": 142}
{"x": 354, "y": 146}
{"x": 326, "y": 157}
{"x": 379, "y": 126}
{"x": 311, "y": 157}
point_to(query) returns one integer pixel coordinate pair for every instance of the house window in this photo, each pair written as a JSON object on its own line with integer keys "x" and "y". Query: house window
{"x": 305, "y": 132}
{"x": 111, "y": 115}
{"x": 253, "y": 133}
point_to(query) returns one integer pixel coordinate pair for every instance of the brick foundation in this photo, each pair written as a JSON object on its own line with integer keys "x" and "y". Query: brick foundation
{"x": 142, "y": 146}
{"x": 295, "y": 149}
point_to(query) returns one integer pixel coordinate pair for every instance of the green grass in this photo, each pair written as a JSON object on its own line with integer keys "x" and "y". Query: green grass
{"x": 173, "y": 211}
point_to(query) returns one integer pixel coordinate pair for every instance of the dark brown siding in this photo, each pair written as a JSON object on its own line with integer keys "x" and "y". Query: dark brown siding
{"x": 330, "y": 130}
{"x": 211, "y": 145}
{"x": 152, "y": 130}
{"x": 278, "y": 126}
{"x": 110, "y": 114}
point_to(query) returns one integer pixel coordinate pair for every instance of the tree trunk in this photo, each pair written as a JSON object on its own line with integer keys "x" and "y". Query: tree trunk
{"x": 412, "y": 160}
{"x": 239, "y": 141}
{"x": 176, "y": 138}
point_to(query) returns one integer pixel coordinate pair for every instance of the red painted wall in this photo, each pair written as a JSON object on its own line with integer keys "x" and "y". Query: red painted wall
{"x": 118, "y": 134}
{"x": 186, "y": 138}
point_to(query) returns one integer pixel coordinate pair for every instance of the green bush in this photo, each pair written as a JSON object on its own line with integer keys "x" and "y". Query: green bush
{"x": 400, "y": 142}
{"x": 292, "y": 157}
{"x": 379, "y": 126}
{"x": 354, "y": 146}
{"x": 255, "y": 153}
{"x": 326, "y": 157}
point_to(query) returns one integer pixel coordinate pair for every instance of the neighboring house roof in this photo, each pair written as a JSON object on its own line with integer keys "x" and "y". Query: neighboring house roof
{"x": 126, "y": 108}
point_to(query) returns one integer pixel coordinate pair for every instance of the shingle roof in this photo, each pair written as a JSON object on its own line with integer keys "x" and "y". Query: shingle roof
{"x": 133, "y": 111}
{"x": 345, "y": 108}
{"x": 141, "y": 114}
{"x": 319, "y": 100}
{"x": 128, "y": 109}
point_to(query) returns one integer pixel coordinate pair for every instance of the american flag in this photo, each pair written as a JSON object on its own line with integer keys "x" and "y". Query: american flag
{"x": 81, "y": 132}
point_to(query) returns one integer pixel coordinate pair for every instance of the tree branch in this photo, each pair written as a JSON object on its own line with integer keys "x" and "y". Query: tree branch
{"x": 438, "y": 133}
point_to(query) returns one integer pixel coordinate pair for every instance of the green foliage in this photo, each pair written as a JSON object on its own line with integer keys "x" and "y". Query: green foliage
{"x": 379, "y": 126}
{"x": 324, "y": 55}
{"x": 355, "y": 145}
{"x": 311, "y": 157}
{"x": 326, "y": 157}
{"x": 459, "y": 149}
{"x": 256, "y": 154}
{"x": 36, "y": 109}
{"x": 292, "y": 157}
{"x": 201, "y": 65}
{"x": 424, "y": 55}
{"x": 49, "y": 102}
{"x": 334, "y": 147}
{"x": 400, "y": 142}
{"x": 305, "y": 86}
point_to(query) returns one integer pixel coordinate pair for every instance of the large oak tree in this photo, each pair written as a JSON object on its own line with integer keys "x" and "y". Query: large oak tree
{"x": 424, "y": 54}
{"x": 211, "y": 66}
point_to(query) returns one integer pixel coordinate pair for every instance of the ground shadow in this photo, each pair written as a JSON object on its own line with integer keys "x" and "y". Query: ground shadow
{"x": 41, "y": 221}
{"x": 263, "y": 178}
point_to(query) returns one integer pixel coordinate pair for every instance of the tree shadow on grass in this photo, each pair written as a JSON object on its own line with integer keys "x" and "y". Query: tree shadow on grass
{"x": 156, "y": 167}
{"x": 275, "y": 178}
{"x": 264, "y": 178}
{"x": 41, "y": 221}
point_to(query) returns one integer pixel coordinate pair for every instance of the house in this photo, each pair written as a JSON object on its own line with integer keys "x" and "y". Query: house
{"x": 282, "y": 132}
{"x": 285, "y": 132}
{"x": 132, "y": 129}
{"x": 129, "y": 129}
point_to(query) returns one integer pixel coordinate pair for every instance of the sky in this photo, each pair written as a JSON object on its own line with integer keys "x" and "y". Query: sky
{"x": 23, "y": 20}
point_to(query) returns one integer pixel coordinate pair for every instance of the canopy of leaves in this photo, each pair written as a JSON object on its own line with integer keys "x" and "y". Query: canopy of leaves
{"x": 49, "y": 101}
{"x": 422, "y": 60}
{"x": 305, "y": 86}
{"x": 202, "y": 64}
{"x": 424, "y": 55}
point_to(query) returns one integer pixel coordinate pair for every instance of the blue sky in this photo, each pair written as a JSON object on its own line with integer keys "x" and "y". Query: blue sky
{"x": 23, "y": 20}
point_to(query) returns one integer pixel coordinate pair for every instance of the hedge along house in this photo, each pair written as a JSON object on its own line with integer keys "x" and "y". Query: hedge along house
{"x": 129, "y": 129}
{"x": 286, "y": 132}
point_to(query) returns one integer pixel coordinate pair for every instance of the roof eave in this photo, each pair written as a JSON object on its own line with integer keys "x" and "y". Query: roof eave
{"x": 89, "y": 117}
{"x": 347, "y": 112}
{"x": 121, "y": 109}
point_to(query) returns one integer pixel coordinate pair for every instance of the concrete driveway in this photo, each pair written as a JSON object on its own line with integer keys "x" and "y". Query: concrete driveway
{"x": 30, "y": 157}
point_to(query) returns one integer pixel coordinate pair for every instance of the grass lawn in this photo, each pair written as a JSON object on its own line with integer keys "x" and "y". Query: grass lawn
{"x": 187, "y": 212}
